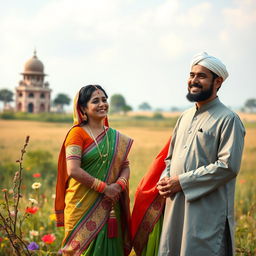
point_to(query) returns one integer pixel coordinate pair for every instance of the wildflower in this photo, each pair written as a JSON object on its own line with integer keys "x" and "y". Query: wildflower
{"x": 32, "y": 210}
{"x": 52, "y": 217}
{"x": 242, "y": 181}
{"x": 33, "y": 201}
{"x": 33, "y": 246}
{"x": 33, "y": 233}
{"x": 48, "y": 239}
{"x": 53, "y": 196}
{"x": 4, "y": 190}
{"x": 36, "y": 185}
{"x": 1, "y": 239}
{"x": 60, "y": 252}
{"x": 12, "y": 213}
{"x": 36, "y": 175}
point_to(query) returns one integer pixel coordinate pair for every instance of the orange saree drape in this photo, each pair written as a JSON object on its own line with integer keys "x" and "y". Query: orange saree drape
{"x": 148, "y": 204}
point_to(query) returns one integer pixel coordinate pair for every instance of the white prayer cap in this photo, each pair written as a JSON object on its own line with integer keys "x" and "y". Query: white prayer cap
{"x": 212, "y": 63}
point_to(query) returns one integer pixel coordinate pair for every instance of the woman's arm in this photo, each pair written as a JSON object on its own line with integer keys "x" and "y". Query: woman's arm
{"x": 74, "y": 170}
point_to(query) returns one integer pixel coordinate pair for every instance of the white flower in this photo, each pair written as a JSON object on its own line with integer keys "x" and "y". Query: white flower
{"x": 36, "y": 185}
{"x": 33, "y": 201}
{"x": 33, "y": 233}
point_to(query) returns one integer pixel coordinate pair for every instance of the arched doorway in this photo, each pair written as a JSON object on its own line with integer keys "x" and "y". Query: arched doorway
{"x": 19, "y": 106}
{"x": 42, "y": 107}
{"x": 30, "y": 108}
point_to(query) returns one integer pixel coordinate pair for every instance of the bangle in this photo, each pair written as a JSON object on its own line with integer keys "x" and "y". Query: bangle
{"x": 122, "y": 182}
{"x": 98, "y": 185}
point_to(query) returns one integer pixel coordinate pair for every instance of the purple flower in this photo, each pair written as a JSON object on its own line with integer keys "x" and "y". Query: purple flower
{"x": 33, "y": 246}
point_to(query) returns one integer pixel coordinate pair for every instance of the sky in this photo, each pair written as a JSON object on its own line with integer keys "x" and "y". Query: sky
{"x": 141, "y": 49}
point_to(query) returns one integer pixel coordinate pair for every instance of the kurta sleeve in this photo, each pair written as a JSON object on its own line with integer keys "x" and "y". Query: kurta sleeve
{"x": 205, "y": 179}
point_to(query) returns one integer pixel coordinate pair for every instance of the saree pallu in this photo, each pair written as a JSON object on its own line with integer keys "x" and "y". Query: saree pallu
{"x": 87, "y": 211}
{"x": 148, "y": 208}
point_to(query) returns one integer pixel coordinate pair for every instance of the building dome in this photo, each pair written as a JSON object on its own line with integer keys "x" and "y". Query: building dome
{"x": 34, "y": 66}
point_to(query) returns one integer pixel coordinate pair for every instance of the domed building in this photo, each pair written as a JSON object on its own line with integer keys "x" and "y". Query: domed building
{"x": 33, "y": 95}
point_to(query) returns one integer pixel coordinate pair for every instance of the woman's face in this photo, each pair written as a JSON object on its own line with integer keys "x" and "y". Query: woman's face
{"x": 97, "y": 106}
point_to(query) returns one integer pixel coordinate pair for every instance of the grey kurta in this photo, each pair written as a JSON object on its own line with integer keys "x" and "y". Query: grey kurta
{"x": 205, "y": 152}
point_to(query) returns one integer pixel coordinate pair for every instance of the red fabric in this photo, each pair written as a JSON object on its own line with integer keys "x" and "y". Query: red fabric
{"x": 146, "y": 190}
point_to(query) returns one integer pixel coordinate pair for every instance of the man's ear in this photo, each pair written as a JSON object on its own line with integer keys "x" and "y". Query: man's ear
{"x": 218, "y": 82}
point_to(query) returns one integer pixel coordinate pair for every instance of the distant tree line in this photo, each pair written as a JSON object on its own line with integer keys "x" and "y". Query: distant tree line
{"x": 117, "y": 103}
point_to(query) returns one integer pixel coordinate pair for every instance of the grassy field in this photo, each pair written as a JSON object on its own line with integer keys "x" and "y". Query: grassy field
{"x": 148, "y": 140}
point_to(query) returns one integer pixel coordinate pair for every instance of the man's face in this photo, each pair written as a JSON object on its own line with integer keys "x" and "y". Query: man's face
{"x": 200, "y": 84}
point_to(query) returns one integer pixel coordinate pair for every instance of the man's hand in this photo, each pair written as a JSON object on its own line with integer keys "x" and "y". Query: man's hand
{"x": 169, "y": 186}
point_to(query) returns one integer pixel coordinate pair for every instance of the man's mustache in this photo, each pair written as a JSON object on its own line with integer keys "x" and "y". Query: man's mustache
{"x": 195, "y": 85}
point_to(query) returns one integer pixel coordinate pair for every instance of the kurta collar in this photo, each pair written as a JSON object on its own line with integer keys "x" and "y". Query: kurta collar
{"x": 208, "y": 105}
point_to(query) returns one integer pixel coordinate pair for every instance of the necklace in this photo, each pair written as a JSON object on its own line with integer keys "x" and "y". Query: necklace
{"x": 97, "y": 145}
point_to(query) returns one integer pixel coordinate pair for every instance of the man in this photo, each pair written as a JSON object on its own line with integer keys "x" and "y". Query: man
{"x": 202, "y": 164}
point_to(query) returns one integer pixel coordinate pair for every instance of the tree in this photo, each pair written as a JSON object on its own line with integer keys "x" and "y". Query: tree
{"x": 144, "y": 106}
{"x": 117, "y": 103}
{"x": 127, "y": 108}
{"x": 250, "y": 104}
{"x": 61, "y": 100}
{"x": 6, "y": 96}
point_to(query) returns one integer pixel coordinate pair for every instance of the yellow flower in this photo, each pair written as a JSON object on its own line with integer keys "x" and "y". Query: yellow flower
{"x": 36, "y": 185}
{"x": 52, "y": 217}
{"x": 41, "y": 228}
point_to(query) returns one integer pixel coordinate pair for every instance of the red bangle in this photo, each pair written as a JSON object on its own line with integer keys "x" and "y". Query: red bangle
{"x": 102, "y": 187}
{"x": 121, "y": 183}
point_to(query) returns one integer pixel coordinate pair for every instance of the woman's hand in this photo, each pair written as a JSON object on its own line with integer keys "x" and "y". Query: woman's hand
{"x": 113, "y": 191}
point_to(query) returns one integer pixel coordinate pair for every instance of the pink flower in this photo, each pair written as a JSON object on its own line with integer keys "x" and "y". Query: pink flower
{"x": 32, "y": 210}
{"x": 36, "y": 175}
{"x": 48, "y": 239}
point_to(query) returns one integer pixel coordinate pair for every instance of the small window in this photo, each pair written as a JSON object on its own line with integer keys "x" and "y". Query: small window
{"x": 42, "y": 95}
{"x": 20, "y": 94}
{"x": 31, "y": 95}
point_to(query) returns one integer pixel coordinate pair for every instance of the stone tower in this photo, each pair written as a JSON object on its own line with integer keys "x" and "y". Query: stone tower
{"x": 33, "y": 94}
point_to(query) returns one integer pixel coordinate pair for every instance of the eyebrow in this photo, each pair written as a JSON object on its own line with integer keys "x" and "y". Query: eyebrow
{"x": 97, "y": 97}
{"x": 200, "y": 73}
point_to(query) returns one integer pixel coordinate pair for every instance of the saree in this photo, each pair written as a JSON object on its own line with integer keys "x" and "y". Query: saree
{"x": 83, "y": 212}
{"x": 148, "y": 209}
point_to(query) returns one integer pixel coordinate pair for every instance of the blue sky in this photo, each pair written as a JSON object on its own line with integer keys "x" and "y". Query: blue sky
{"x": 141, "y": 49}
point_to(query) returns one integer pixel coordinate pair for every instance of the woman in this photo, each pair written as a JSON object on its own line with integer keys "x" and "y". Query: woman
{"x": 92, "y": 196}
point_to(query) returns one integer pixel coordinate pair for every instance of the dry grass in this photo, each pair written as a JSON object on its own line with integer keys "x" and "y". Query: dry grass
{"x": 147, "y": 143}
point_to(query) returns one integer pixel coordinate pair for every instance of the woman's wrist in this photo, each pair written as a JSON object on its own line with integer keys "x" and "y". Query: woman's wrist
{"x": 122, "y": 182}
{"x": 98, "y": 185}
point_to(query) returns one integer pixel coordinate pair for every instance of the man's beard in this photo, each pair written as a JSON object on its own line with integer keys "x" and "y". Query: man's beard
{"x": 200, "y": 96}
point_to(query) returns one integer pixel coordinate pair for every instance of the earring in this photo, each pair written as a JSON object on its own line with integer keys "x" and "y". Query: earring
{"x": 85, "y": 117}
